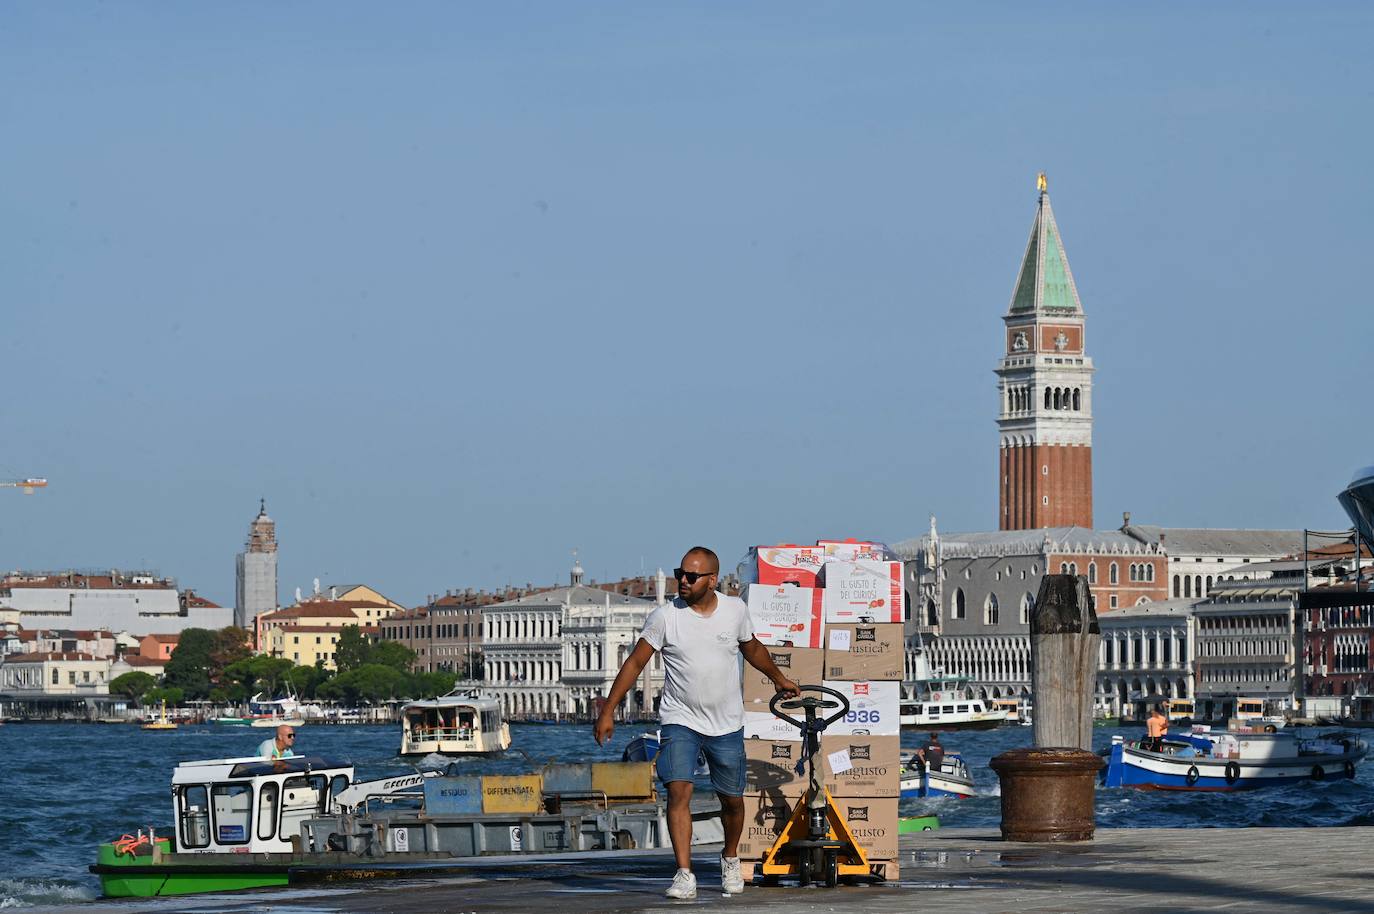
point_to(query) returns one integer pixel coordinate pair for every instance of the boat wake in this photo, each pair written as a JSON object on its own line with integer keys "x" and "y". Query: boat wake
{"x": 28, "y": 893}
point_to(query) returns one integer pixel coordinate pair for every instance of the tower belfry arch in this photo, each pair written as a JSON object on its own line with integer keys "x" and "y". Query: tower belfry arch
{"x": 1045, "y": 389}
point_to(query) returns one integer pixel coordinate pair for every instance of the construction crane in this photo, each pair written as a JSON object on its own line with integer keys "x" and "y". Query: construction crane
{"x": 28, "y": 485}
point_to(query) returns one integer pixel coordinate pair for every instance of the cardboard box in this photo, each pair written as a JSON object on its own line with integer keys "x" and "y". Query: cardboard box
{"x": 771, "y": 766}
{"x": 789, "y": 564}
{"x": 763, "y": 725}
{"x": 853, "y": 766}
{"x": 862, "y": 766}
{"x": 852, "y": 550}
{"x": 785, "y": 614}
{"x": 863, "y": 591}
{"x": 856, "y": 651}
{"x": 874, "y": 708}
{"x": 873, "y": 823}
{"x": 802, "y": 665}
{"x": 765, "y": 816}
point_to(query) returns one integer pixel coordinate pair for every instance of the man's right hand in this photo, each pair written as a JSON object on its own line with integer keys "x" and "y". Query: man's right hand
{"x": 603, "y": 729}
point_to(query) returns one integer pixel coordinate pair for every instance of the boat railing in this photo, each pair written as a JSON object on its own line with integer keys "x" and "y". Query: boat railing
{"x": 427, "y": 734}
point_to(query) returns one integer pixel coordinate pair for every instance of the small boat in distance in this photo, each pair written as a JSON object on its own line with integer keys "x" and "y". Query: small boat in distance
{"x": 947, "y": 703}
{"x": 454, "y": 724}
{"x": 161, "y": 722}
{"x": 950, "y": 778}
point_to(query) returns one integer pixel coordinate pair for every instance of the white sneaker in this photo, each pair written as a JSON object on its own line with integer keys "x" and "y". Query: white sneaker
{"x": 684, "y": 885}
{"x": 731, "y": 877}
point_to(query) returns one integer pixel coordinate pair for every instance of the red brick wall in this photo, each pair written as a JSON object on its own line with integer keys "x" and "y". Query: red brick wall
{"x": 1024, "y": 484}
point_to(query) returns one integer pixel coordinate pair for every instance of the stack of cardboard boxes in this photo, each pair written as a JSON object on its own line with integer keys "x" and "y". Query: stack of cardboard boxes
{"x": 831, "y": 615}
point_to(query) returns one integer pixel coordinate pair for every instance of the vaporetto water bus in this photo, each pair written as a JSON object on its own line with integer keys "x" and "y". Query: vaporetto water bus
{"x": 947, "y": 703}
{"x": 245, "y": 823}
{"x": 456, "y": 724}
{"x": 1231, "y": 760}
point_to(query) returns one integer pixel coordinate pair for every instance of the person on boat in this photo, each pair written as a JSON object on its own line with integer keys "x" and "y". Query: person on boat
{"x": 1156, "y": 726}
{"x": 701, "y": 636}
{"x": 279, "y": 746}
{"x": 934, "y": 753}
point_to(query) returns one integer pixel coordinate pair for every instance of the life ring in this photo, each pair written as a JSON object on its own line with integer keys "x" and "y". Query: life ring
{"x": 1349, "y": 769}
{"x": 1318, "y": 772}
{"x": 935, "y": 696}
{"x": 1232, "y": 772}
{"x": 1270, "y": 728}
{"x": 1192, "y": 775}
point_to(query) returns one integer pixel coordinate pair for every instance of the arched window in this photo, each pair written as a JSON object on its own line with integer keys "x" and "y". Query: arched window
{"x": 1197, "y": 586}
{"x": 932, "y": 613}
{"x": 990, "y": 610}
{"x": 1187, "y": 586}
{"x": 1047, "y": 398}
{"x": 1178, "y": 586}
{"x": 1077, "y": 399}
{"x": 1209, "y": 583}
{"x": 957, "y": 609}
{"x": 1133, "y": 573}
{"x": 1063, "y": 567}
{"x": 1058, "y": 399}
{"x": 1092, "y": 572}
{"x": 1027, "y": 604}
{"x": 1112, "y": 575}
{"x": 1150, "y": 573}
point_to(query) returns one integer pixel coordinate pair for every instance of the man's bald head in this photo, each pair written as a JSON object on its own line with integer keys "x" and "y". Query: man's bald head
{"x": 712, "y": 560}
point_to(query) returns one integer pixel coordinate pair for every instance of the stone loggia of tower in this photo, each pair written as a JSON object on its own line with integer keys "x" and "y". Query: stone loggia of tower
{"x": 255, "y": 584}
{"x": 1045, "y": 471}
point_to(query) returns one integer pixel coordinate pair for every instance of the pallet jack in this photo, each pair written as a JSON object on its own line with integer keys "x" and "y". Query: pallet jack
{"x": 816, "y": 845}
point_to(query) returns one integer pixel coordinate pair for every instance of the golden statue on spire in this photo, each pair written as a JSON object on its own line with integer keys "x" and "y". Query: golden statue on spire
{"x": 1042, "y": 183}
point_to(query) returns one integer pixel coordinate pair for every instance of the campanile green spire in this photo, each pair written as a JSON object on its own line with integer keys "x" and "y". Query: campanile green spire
{"x": 1045, "y": 283}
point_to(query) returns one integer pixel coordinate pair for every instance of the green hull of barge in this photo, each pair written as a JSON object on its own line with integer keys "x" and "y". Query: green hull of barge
{"x": 127, "y": 876}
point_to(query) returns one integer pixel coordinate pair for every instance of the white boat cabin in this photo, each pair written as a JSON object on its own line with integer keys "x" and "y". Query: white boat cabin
{"x": 251, "y": 805}
{"x": 454, "y": 725}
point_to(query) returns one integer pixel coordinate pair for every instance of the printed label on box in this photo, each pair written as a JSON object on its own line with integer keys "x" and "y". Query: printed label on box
{"x": 863, "y": 591}
{"x": 802, "y": 665}
{"x": 785, "y": 614}
{"x": 839, "y": 761}
{"x": 789, "y": 564}
{"x": 871, "y": 652}
{"x": 851, "y": 551}
{"x": 874, "y": 708}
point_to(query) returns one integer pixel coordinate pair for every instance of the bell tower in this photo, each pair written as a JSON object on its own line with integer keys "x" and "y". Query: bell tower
{"x": 1045, "y": 384}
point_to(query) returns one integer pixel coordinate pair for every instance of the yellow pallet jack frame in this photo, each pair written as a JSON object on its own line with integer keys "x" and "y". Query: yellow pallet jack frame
{"x": 816, "y": 844}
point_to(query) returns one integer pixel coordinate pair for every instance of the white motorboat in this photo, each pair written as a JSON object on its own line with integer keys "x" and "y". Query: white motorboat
{"x": 455, "y": 724}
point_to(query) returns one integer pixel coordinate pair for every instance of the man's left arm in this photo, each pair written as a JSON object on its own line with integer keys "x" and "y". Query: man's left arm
{"x": 754, "y": 651}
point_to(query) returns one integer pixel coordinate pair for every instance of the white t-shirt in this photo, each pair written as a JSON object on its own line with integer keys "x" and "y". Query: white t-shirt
{"x": 701, "y": 664}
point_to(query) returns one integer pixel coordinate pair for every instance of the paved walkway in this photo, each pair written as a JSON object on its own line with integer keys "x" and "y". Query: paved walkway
{"x": 1313, "y": 870}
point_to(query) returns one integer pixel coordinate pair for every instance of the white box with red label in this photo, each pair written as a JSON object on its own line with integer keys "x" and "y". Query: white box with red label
{"x": 875, "y": 708}
{"x": 785, "y": 614}
{"x": 863, "y": 591}
{"x": 789, "y": 564}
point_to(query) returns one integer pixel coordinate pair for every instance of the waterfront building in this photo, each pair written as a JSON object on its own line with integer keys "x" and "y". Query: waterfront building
{"x": 446, "y": 633}
{"x": 970, "y": 594}
{"x": 136, "y": 663}
{"x": 1044, "y": 383}
{"x": 1146, "y": 655}
{"x": 1198, "y": 557}
{"x": 158, "y": 647}
{"x": 363, "y": 594}
{"x": 1247, "y": 641}
{"x": 135, "y": 602}
{"x": 556, "y": 651}
{"x": 255, "y": 580}
{"x": 54, "y": 674}
{"x": 307, "y": 632}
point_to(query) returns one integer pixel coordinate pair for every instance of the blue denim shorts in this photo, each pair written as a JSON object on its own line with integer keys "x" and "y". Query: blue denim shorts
{"x": 679, "y": 746}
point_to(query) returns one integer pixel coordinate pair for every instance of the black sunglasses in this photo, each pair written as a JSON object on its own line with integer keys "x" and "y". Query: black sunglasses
{"x": 691, "y": 576}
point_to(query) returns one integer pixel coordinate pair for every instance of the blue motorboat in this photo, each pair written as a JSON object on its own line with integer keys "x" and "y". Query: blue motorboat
{"x": 1231, "y": 760}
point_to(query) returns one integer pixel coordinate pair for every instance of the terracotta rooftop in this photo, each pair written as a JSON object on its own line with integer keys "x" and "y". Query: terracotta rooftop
{"x": 75, "y": 581}
{"x": 335, "y": 609}
{"x": 49, "y": 655}
{"x": 166, "y": 639}
{"x": 332, "y": 629}
{"x": 140, "y": 660}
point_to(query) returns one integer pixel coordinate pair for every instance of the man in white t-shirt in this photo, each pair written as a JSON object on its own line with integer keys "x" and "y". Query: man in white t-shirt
{"x": 701, "y": 635}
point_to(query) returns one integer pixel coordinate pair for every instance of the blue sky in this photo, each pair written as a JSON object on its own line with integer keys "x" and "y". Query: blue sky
{"x": 459, "y": 288}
